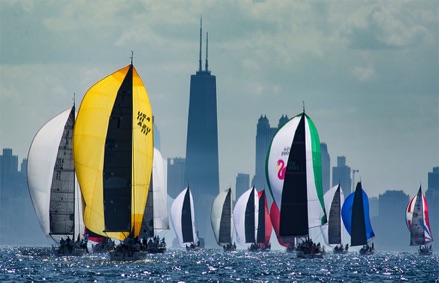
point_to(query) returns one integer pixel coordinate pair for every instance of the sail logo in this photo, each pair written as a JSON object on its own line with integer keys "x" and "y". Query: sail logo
{"x": 141, "y": 117}
{"x": 280, "y": 166}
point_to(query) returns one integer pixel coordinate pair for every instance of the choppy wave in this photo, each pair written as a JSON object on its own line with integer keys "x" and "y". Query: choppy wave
{"x": 20, "y": 264}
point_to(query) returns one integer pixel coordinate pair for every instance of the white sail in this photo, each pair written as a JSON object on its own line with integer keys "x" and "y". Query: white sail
{"x": 244, "y": 233}
{"x": 222, "y": 219}
{"x": 183, "y": 218}
{"x": 42, "y": 162}
{"x": 160, "y": 193}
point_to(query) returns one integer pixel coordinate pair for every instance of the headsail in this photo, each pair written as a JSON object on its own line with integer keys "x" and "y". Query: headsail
{"x": 355, "y": 214}
{"x": 113, "y": 153}
{"x": 294, "y": 175}
{"x": 51, "y": 178}
{"x": 418, "y": 221}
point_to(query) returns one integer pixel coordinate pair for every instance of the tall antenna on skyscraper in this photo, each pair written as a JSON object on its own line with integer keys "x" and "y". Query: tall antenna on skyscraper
{"x": 207, "y": 44}
{"x": 201, "y": 36}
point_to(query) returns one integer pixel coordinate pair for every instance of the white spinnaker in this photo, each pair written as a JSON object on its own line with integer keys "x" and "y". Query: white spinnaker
{"x": 176, "y": 214}
{"x": 160, "y": 193}
{"x": 239, "y": 215}
{"x": 278, "y": 160}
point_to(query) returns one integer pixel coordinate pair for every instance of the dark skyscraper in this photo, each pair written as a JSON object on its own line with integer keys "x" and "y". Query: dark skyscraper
{"x": 242, "y": 184}
{"x": 202, "y": 172}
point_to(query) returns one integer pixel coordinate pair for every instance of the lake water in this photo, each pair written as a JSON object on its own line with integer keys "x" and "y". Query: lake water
{"x": 21, "y": 264}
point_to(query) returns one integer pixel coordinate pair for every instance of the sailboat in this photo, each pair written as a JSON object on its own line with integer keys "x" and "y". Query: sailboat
{"x": 418, "y": 223}
{"x": 333, "y": 230}
{"x": 52, "y": 184}
{"x": 221, "y": 218}
{"x": 155, "y": 219}
{"x": 294, "y": 175}
{"x": 183, "y": 220}
{"x": 252, "y": 220}
{"x": 356, "y": 219}
{"x": 288, "y": 242}
{"x": 113, "y": 154}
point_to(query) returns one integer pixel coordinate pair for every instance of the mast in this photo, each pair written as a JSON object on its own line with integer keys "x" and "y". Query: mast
{"x": 201, "y": 35}
{"x": 207, "y": 44}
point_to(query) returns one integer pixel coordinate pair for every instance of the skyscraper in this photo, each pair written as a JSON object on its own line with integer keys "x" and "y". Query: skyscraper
{"x": 242, "y": 184}
{"x": 175, "y": 178}
{"x": 432, "y": 195}
{"x": 390, "y": 223}
{"x": 264, "y": 135}
{"x": 326, "y": 167}
{"x": 202, "y": 166}
{"x": 341, "y": 174}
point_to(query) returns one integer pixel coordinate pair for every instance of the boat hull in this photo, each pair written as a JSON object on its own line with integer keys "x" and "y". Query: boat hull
{"x": 425, "y": 250}
{"x": 302, "y": 254}
{"x": 65, "y": 252}
{"x": 156, "y": 250}
{"x": 366, "y": 252}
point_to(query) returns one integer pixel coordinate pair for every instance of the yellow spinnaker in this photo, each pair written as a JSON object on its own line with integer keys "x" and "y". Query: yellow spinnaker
{"x": 105, "y": 152}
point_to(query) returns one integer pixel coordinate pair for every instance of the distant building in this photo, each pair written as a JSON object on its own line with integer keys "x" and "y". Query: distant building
{"x": 175, "y": 178}
{"x": 242, "y": 184}
{"x": 264, "y": 135}
{"x": 374, "y": 208}
{"x": 390, "y": 228}
{"x": 341, "y": 174}
{"x": 202, "y": 163}
{"x": 17, "y": 215}
{"x": 432, "y": 195}
{"x": 326, "y": 167}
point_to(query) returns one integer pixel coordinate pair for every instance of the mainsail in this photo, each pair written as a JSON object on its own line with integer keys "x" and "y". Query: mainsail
{"x": 418, "y": 221}
{"x": 113, "y": 153}
{"x": 333, "y": 230}
{"x": 355, "y": 215}
{"x": 294, "y": 175}
{"x": 266, "y": 227}
{"x": 183, "y": 218}
{"x": 51, "y": 178}
{"x": 221, "y": 218}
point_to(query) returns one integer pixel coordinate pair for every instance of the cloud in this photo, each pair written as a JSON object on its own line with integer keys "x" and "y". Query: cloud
{"x": 385, "y": 25}
{"x": 364, "y": 73}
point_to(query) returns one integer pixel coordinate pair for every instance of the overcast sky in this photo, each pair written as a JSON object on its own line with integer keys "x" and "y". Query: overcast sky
{"x": 367, "y": 71}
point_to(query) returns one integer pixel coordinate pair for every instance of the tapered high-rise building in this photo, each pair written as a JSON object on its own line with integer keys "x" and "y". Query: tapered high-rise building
{"x": 202, "y": 166}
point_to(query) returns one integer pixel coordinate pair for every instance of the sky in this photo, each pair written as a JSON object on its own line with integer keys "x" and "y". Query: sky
{"x": 367, "y": 72}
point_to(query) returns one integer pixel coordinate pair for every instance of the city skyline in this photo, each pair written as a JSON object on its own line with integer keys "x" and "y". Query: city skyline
{"x": 367, "y": 72}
